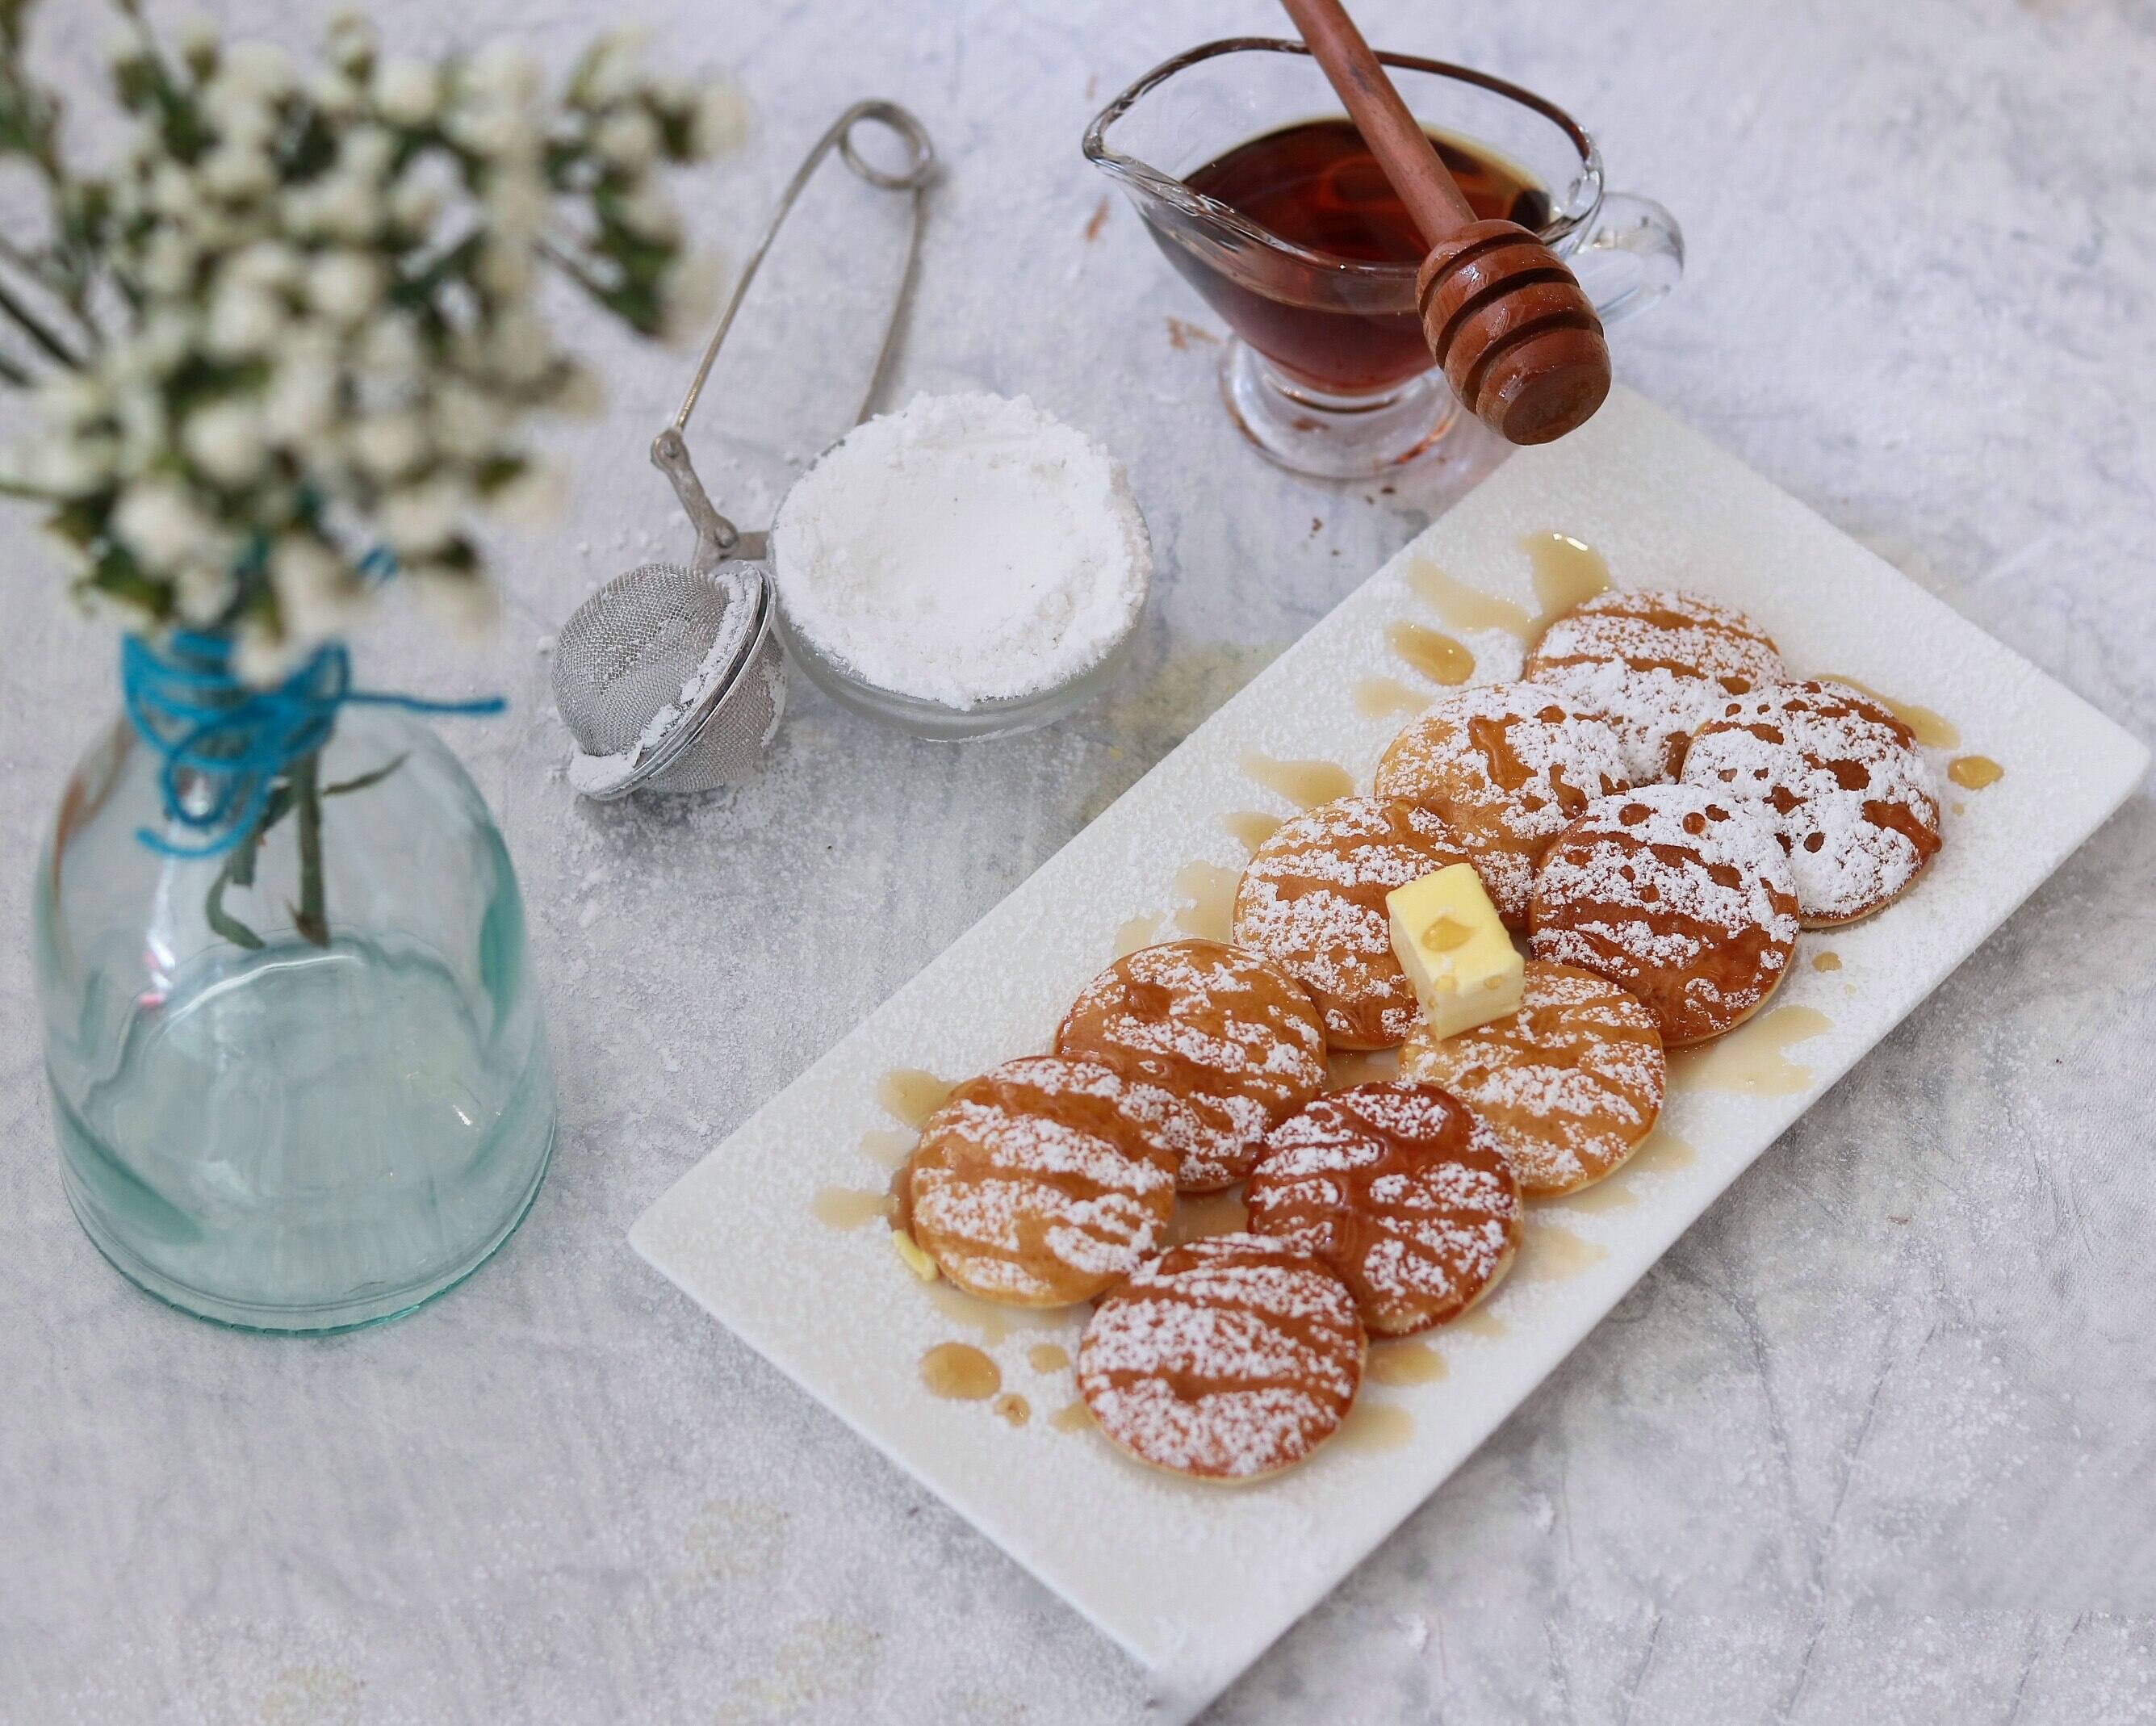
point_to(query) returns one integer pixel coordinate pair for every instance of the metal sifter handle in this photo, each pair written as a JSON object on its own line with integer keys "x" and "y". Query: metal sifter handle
{"x": 716, "y": 538}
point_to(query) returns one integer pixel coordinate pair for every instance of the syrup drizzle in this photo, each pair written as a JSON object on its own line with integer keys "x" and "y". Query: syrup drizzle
{"x": 1753, "y": 1061}
{"x": 1438, "y": 656}
{"x": 1012, "y": 1407}
{"x": 1933, "y": 730}
{"x": 1209, "y": 892}
{"x": 1481, "y": 1321}
{"x": 1048, "y": 1357}
{"x": 1550, "y": 1254}
{"x": 1388, "y": 698}
{"x": 1461, "y": 606}
{"x": 849, "y": 1207}
{"x": 1072, "y": 1417}
{"x": 1197, "y": 1215}
{"x": 1566, "y": 572}
{"x": 1251, "y": 828}
{"x": 1973, "y": 773}
{"x": 1404, "y": 1363}
{"x": 1304, "y": 783}
{"x": 1375, "y": 1426}
{"x": 889, "y": 1150}
{"x": 1138, "y": 932}
{"x": 958, "y": 1372}
{"x": 1345, "y": 1068}
{"x": 1826, "y": 960}
{"x": 911, "y": 1095}
{"x": 1663, "y": 1153}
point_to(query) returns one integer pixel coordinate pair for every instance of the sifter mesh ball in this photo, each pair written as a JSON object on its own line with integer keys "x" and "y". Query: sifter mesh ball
{"x": 670, "y": 679}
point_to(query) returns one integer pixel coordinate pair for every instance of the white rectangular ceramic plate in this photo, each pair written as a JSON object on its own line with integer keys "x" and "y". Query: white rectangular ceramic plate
{"x": 1194, "y": 1582}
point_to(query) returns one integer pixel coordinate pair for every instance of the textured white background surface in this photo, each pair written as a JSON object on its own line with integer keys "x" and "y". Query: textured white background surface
{"x": 1870, "y": 1443}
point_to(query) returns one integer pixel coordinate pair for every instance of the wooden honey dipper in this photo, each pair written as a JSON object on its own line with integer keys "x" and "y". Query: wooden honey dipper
{"x": 1514, "y": 333}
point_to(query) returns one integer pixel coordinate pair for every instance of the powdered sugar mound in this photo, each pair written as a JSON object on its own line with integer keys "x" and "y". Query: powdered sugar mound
{"x": 1682, "y": 896}
{"x": 1229, "y": 1357}
{"x": 967, "y": 548}
{"x": 1839, "y": 780}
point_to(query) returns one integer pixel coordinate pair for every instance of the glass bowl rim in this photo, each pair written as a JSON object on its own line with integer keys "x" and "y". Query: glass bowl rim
{"x": 1179, "y": 194}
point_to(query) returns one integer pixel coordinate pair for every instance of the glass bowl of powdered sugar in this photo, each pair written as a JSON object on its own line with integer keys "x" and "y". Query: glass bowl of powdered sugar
{"x": 967, "y": 567}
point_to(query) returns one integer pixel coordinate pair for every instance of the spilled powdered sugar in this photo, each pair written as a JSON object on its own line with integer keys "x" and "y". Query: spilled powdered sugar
{"x": 1840, "y": 781}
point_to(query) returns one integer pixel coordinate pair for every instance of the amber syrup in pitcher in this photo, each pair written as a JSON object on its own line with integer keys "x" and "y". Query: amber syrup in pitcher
{"x": 1318, "y": 186}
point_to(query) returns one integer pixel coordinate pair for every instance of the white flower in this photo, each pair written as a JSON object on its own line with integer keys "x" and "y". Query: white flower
{"x": 365, "y": 153}
{"x": 144, "y": 434}
{"x": 419, "y": 520}
{"x": 719, "y": 123}
{"x": 386, "y": 446}
{"x": 197, "y": 38}
{"x": 265, "y": 264}
{"x": 69, "y": 400}
{"x": 224, "y": 439}
{"x": 614, "y": 72}
{"x": 260, "y": 68}
{"x": 458, "y": 599}
{"x": 351, "y": 39}
{"x": 172, "y": 191}
{"x": 318, "y": 593}
{"x": 237, "y": 169}
{"x": 407, "y": 92}
{"x": 243, "y": 321}
{"x": 168, "y": 269}
{"x": 467, "y": 424}
{"x": 533, "y": 500}
{"x": 691, "y": 296}
{"x": 335, "y": 94}
{"x": 345, "y": 287}
{"x": 417, "y": 197}
{"x": 628, "y": 137}
{"x": 302, "y": 398}
{"x": 502, "y": 134}
{"x": 505, "y": 73}
{"x": 72, "y": 560}
{"x": 347, "y": 207}
{"x": 648, "y": 213}
{"x": 506, "y": 269}
{"x": 164, "y": 338}
{"x": 73, "y": 465}
{"x": 516, "y": 204}
{"x": 390, "y": 346}
{"x": 261, "y": 656}
{"x": 520, "y": 348}
{"x": 204, "y": 591}
{"x": 161, "y": 523}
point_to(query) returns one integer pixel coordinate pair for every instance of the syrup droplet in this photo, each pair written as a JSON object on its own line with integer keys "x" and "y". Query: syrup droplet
{"x": 1753, "y": 1061}
{"x": 1012, "y": 1407}
{"x": 1663, "y": 1152}
{"x": 1210, "y": 892}
{"x": 1465, "y": 608}
{"x": 1481, "y": 1321}
{"x": 1344, "y": 1067}
{"x": 1828, "y": 960}
{"x": 1072, "y": 1417}
{"x": 958, "y": 1372}
{"x": 1388, "y": 698}
{"x": 1431, "y": 652}
{"x": 1933, "y": 730}
{"x": 1567, "y": 571}
{"x": 1047, "y": 1357}
{"x": 1251, "y": 828}
{"x": 1138, "y": 932}
{"x": 849, "y": 1207}
{"x": 1404, "y": 1363}
{"x": 1549, "y": 1254}
{"x": 1973, "y": 773}
{"x": 911, "y": 1095}
{"x": 1197, "y": 1215}
{"x": 1304, "y": 783}
{"x": 889, "y": 1149}
{"x": 1610, "y": 1193}
{"x": 1375, "y": 1426}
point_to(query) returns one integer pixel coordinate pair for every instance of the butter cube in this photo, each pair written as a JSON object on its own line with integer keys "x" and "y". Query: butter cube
{"x": 1455, "y": 952}
{"x": 915, "y": 1259}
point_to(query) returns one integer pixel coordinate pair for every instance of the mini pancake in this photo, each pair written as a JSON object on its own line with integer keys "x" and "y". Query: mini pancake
{"x": 1841, "y": 782}
{"x": 1570, "y": 1083}
{"x": 1401, "y": 1190}
{"x": 1044, "y": 1181}
{"x": 1680, "y": 895}
{"x": 1653, "y": 665}
{"x": 1509, "y": 766}
{"x": 1226, "y": 1360}
{"x": 1313, "y": 901}
{"x": 1228, "y": 1032}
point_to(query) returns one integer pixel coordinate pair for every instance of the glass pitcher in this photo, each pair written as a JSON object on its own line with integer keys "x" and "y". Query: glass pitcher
{"x": 1328, "y": 372}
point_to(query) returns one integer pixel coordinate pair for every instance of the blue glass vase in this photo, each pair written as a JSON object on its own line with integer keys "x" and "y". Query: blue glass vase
{"x": 301, "y": 1084}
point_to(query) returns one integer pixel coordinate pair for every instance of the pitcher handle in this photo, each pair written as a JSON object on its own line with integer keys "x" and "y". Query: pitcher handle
{"x": 1633, "y": 256}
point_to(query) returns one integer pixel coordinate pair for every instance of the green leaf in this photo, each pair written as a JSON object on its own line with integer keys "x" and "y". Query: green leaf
{"x": 221, "y": 920}
{"x": 373, "y": 777}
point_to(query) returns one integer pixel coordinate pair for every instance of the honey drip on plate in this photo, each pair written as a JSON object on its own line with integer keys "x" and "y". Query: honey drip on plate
{"x": 1461, "y": 606}
{"x": 891, "y": 1149}
{"x": 958, "y": 1372}
{"x": 1933, "y": 730}
{"x": 1138, "y": 932}
{"x": 992, "y": 1322}
{"x": 1567, "y": 571}
{"x": 1431, "y": 652}
{"x": 1549, "y": 1254}
{"x": 1072, "y": 1417}
{"x": 1199, "y": 1215}
{"x": 1663, "y": 1153}
{"x": 911, "y": 1096}
{"x": 1345, "y": 1068}
{"x": 1610, "y": 1193}
{"x": 1753, "y": 1061}
{"x": 1048, "y": 1357}
{"x": 1973, "y": 773}
{"x": 1388, "y": 698}
{"x": 1210, "y": 892}
{"x": 1251, "y": 828}
{"x": 1828, "y": 960}
{"x": 1012, "y": 1407}
{"x": 1375, "y": 1426}
{"x": 1304, "y": 783}
{"x": 849, "y": 1207}
{"x": 1405, "y": 1363}
{"x": 1481, "y": 1321}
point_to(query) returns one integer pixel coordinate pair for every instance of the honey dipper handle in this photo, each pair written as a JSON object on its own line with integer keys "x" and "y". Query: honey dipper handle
{"x": 1403, "y": 148}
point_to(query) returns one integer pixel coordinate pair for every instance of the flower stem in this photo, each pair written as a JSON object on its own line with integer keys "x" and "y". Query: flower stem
{"x": 311, "y": 916}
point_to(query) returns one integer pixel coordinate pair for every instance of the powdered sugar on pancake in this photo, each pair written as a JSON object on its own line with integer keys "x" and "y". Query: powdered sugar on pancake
{"x": 1313, "y": 901}
{"x": 1228, "y": 1358}
{"x": 1509, "y": 766}
{"x": 1839, "y": 780}
{"x": 1682, "y": 895}
{"x": 1569, "y": 1084}
{"x": 1041, "y": 1182}
{"x": 1231, "y": 1033}
{"x": 1401, "y": 1190}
